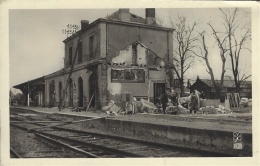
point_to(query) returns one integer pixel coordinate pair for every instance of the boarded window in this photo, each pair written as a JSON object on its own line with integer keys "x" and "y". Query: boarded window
{"x": 91, "y": 47}
{"x": 80, "y": 52}
{"x": 128, "y": 75}
{"x": 70, "y": 55}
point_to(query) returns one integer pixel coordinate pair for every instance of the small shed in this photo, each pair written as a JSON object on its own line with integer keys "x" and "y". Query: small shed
{"x": 207, "y": 87}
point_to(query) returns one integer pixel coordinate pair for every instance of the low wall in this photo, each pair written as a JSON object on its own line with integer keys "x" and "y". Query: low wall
{"x": 211, "y": 140}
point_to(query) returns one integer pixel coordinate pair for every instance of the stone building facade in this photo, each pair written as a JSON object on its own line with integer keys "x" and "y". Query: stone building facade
{"x": 120, "y": 56}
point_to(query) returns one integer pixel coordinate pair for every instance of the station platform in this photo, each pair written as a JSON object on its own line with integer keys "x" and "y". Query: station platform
{"x": 240, "y": 122}
{"x": 212, "y": 132}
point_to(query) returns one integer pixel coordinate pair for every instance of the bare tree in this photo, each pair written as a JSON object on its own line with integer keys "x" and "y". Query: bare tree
{"x": 221, "y": 42}
{"x": 204, "y": 54}
{"x": 185, "y": 43}
{"x": 237, "y": 36}
{"x": 230, "y": 46}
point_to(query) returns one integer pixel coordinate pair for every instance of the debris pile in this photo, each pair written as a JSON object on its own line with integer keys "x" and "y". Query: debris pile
{"x": 144, "y": 106}
{"x": 212, "y": 110}
{"x": 245, "y": 102}
{"x": 148, "y": 107}
{"x": 176, "y": 110}
{"x": 112, "y": 108}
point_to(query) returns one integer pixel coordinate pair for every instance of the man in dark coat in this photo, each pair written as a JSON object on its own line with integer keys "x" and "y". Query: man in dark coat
{"x": 164, "y": 100}
{"x": 194, "y": 102}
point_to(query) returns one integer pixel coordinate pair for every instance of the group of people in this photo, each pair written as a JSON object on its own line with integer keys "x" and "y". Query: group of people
{"x": 169, "y": 99}
{"x": 165, "y": 103}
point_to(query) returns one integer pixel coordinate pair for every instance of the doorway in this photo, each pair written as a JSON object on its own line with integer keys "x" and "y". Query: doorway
{"x": 52, "y": 94}
{"x": 93, "y": 90}
{"x": 80, "y": 92}
{"x": 70, "y": 93}
{"x": 60, "y": 91}
{"x": 159, "y": 90}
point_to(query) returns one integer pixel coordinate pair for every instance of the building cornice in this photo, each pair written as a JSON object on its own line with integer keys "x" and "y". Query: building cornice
{"x": 150, "y": 26}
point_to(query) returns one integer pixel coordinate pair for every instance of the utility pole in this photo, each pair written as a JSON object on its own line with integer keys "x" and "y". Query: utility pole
{"x": 62, "y": 102}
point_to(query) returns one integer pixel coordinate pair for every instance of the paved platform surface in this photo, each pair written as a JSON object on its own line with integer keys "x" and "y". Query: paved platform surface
{"x": 234, "y": 122}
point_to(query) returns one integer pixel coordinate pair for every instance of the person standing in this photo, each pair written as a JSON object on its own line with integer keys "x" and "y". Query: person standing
{"x": 194, "y": 102}
{"x": 164, "y": 101}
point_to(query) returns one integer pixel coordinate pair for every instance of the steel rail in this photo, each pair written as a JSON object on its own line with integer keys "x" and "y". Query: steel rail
{"x": 16, "y": 155}
{"x": 107, "y": 149}
{"x": 32, "y": 122}
{"x": 66, "y": 145}
{"x": 66, "y": 123}
{"x": 20, "y": 127}
{"x": 161, "y": 145}
{"x": 99, "y": 147}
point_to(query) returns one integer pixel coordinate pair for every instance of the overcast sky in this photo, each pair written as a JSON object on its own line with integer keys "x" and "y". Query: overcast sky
{"x": 36, "y": 47}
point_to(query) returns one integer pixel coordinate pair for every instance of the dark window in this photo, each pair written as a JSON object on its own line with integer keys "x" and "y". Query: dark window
{"x": 80, "y": 52}
{"x": 70, "y": 55}
{"x": 91, "y": 47}
{"x": 134, "y": 52}
{"x": 128, "y": 75}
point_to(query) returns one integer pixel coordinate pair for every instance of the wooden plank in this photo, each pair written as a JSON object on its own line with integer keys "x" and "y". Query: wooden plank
{"x": 90, "y": 101}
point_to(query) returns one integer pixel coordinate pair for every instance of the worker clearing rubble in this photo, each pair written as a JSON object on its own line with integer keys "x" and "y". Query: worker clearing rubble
{"x": 170, "y": 107}
{"x": 194, "y": 102}
{"x": 131, "y": 107}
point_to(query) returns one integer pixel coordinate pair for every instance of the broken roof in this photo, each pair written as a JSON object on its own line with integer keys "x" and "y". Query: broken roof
{"x": 114, "y": 18}
{"x": 133, "y": 17}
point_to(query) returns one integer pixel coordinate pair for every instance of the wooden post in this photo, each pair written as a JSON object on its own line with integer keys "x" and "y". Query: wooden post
{"x": 90, "y": 101}
{"x": 62, "y": 101}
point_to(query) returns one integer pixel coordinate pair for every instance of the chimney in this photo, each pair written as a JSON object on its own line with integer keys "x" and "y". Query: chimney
{"x": 150, "y": 16}
{"x": 84, "y": 23}
{"x": 124, "y": 15}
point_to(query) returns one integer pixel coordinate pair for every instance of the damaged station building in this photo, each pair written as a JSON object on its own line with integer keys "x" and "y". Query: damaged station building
{"x": 118, "y": 57}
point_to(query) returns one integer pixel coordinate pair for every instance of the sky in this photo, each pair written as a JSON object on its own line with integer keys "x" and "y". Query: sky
{"x": 36, "y": 48}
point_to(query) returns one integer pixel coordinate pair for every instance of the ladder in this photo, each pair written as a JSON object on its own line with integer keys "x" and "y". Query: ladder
{"x": 62, "y": 101}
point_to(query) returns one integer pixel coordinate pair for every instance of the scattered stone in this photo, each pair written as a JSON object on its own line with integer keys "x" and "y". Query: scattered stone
{"x": 112, "y": 108}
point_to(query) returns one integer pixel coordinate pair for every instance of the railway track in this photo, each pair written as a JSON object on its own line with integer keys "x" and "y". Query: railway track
{"x": 96, "y": 145}
{"x": 14, "y": 154}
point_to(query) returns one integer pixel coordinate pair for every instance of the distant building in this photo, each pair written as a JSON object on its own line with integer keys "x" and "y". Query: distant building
{"x": 119, "y": 56}
{"x": 207, "y": 87}
{"x": 177, "y": 88}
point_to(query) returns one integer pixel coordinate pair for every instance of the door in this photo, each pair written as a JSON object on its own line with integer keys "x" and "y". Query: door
{"x": 52, "y": 93}
{"x": 159, "y": 90}
{"x": 71, "y": 93}
{"x": 93, "y": 90}
{"x": 80, "y": 92}
{"x": 60, "y": 92}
